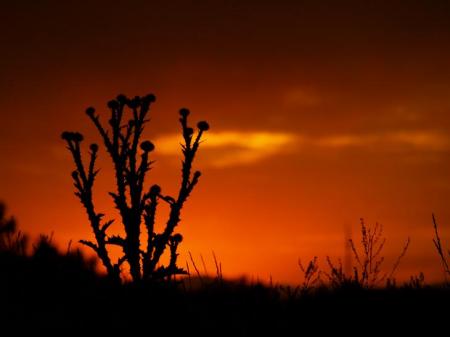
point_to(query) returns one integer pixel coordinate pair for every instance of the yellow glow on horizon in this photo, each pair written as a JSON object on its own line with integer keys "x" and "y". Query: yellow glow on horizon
{"x": 236, "y": 147}
{"x": 421, "y": 140}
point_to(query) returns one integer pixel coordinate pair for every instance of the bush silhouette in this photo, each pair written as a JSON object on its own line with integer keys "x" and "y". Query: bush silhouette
{"x": 136, "y": 205}
{"x": 12, "y": 241}
{"x": 367, "y": 273}
{"x": 24, "y": 266}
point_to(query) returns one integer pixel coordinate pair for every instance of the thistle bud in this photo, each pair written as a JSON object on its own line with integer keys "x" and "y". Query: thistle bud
{"x": 184, "y": 112}
{"x": 147, "y": 146}
{"x": 177, "y": 238}
{"x": 134, "y": 103}
{"x": 203, "y": 126}
{"x": 113, "y": 104}
{"x": 66, "y": 135}
{"x": 77, "y": 137}
{"x": 150, "y": 98}
{"x": 90, "y": 111}
{"x": 75, "y": 175}
{"x": 94, "y": 147}
{"x": 155, "y": 190}
{"x": 122, "y": 99}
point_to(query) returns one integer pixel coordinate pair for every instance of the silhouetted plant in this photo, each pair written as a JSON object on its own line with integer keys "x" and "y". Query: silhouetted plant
{"x": 11, "y": 240}
{"x": 219, "y": 275}
{"x": 367, "y": 272}
{"x": 44, "y": 248}
{"x": 337, "y": 277}
{"x": 202, "y": 279}
{"x": 136, "y": 207}
{"x": 440, "y": 250}
{"x": 416, "y": 281}
{"x": 311, "y": 274}
{"x": 197, "y": 271}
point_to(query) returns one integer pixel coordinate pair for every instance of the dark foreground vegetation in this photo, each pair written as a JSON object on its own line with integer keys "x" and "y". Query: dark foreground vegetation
{"x": 46, "y": 292}
{"x": 56, "y": 295}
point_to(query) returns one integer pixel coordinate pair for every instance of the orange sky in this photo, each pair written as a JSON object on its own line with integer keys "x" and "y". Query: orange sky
{"x": 320, "y": 114}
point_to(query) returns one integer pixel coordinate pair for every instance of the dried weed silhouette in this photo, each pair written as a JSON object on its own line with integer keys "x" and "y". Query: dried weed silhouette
{"x": 367, "y": 273}
{"x": 443, "y": 255}
{"x": 311, "y": 275}
{"x": 137, "y": 206}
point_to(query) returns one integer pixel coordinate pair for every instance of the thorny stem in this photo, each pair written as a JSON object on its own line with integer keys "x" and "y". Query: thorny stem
{"x": 188, "y": 183}
{"x": 83, "y": 184}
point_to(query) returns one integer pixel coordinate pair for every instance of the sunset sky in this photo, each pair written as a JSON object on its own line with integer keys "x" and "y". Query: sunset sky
{"x": 321, "y": 112}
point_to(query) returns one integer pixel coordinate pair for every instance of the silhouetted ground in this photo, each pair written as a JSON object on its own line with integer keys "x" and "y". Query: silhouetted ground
{"x": 45, "y": 292}
{"x": 53, "y": 294}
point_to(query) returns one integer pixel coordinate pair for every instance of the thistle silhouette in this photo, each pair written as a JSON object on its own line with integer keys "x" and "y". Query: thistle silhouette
{"x": 136, "y": 207}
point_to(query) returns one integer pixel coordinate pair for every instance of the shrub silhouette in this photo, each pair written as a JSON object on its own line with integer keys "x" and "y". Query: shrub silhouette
{"x": 136, "y": 207}
{"x": 367, "y": 272}
{"x": 11, "y": 241}
{"x": 24, "y": 266}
